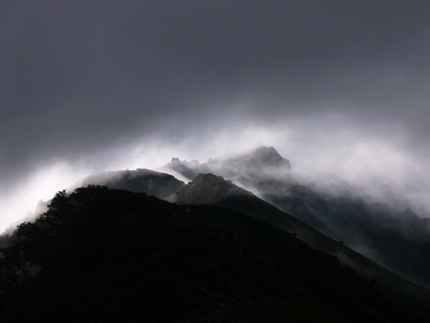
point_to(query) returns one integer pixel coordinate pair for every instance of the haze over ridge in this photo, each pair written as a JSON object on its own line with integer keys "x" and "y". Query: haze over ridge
{"x": 336, "y": 87}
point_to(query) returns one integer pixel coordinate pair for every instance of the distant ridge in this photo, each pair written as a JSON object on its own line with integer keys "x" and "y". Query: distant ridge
{"x": 161, "y": 185}
{"x": 262, "y": 160}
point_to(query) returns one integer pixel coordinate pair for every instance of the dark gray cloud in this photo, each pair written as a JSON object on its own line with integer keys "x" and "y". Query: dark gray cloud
{"x": 91, "y": 83}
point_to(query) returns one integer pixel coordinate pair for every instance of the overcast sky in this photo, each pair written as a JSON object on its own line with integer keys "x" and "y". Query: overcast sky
{"x": 335, "y": 86}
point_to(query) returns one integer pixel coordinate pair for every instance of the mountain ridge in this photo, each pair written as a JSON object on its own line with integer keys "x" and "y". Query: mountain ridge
{"x": 385, "y": 235}
{"x": 161, "y": 185}
{"x": 373, "y": 228}
{"x": 103, "y": 255}
{"x": 199, "y": 192}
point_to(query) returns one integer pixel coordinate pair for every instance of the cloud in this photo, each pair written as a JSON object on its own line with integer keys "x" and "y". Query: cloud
{"x": 101, "y": 85}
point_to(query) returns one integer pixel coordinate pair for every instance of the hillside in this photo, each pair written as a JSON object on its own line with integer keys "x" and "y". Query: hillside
{"x": 214, "y": 190}
{"x": 100, "y": 255}
{"x": 395, "y": 237}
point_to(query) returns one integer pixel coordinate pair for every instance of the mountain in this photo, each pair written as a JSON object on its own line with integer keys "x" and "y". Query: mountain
{"x": 262, "y": 171}
{"x": 100, "y": 255}
{"x": 161, "y": 185}
{"x": 396, "y": 239}
{"x": 214, "y": 190}
{"x": 258, "y": 167}
{"x": 210, "y": 189}
{"x": 258, "y": 183}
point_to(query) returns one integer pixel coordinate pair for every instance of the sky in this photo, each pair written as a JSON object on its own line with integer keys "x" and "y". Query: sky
{"x": 340, "y": 88}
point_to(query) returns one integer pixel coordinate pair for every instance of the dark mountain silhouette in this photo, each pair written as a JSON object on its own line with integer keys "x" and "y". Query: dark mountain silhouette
{"x": 100, "y": 255}
{"x": 214, "y": 190}
{"x": 398, "y": 240}
{"x": 104, "y": 235}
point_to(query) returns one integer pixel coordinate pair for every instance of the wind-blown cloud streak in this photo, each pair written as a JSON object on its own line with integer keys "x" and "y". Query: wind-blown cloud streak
{"x": 335, "y": 86}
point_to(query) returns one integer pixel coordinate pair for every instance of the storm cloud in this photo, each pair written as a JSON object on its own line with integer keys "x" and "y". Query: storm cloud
{"x": 337, "y": 87}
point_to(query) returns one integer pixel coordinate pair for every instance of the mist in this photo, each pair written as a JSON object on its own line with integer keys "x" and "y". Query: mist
{"x": 340, "y": 89}
{"x": 332, "y": 160}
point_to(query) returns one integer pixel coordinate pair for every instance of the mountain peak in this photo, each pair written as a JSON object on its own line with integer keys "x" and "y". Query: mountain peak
{"x": 264, "y": 165}
{"x": 265, "y": 156}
